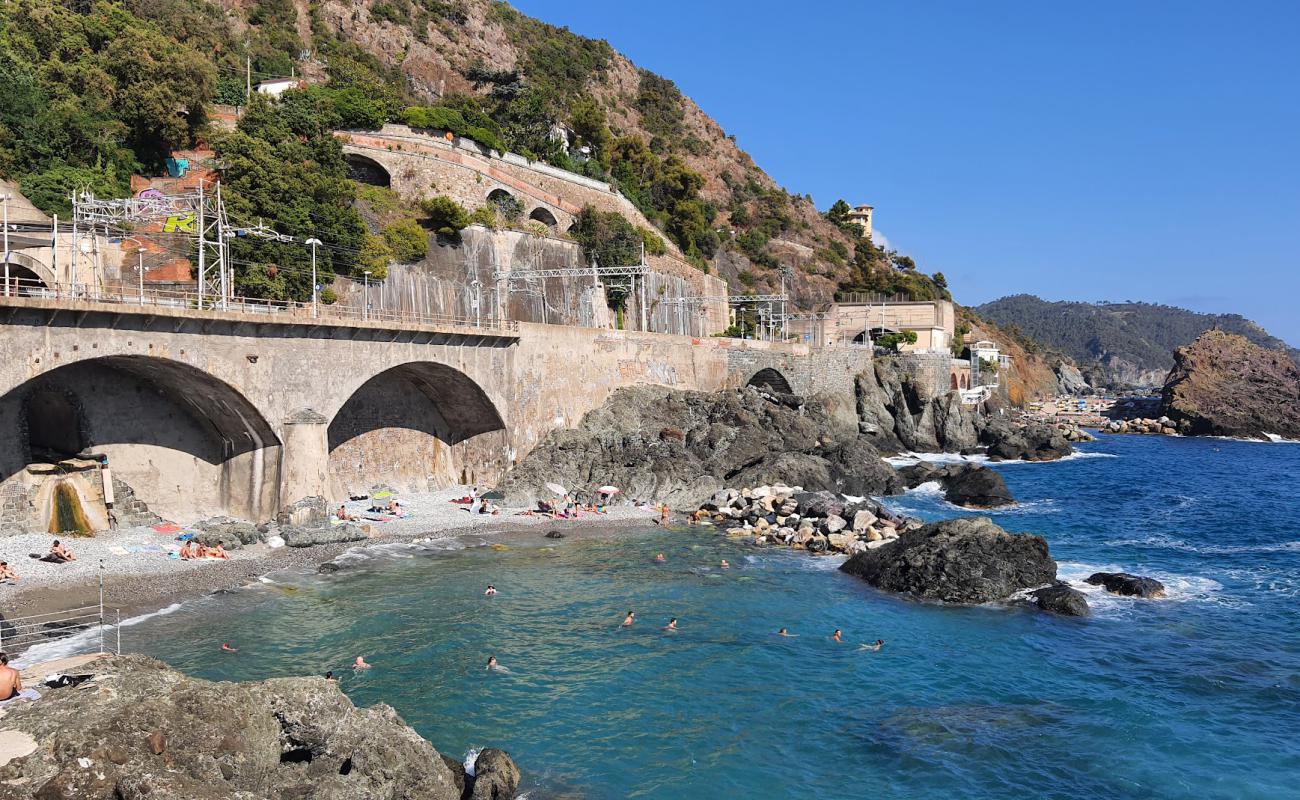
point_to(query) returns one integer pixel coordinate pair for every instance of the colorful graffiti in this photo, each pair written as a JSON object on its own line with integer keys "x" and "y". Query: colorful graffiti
{"x": 182, "y": 223}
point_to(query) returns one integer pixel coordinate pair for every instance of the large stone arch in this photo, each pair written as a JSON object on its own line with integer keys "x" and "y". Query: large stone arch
{"x": 768, "y": 378}
{"x": 27, "y": 275}
{"x": 365, "y": 169}
{"x": 188, "y": 444}
{"x": 407, "y": 426}
{"x": 544, "y": 215}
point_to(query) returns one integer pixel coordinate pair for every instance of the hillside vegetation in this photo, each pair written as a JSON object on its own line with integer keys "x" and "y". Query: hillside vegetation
{"x": 92, "y": 91}
{"x": 1117, "y": 344}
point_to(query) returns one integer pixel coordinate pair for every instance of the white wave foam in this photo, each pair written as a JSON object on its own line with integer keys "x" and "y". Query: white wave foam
{"x": 927, "y": 489}
{"x": 908, "y": 459}
{"x": 471, "y": 755}
{"x": 84, "y": 642}
{"x": 1178, "y": 588}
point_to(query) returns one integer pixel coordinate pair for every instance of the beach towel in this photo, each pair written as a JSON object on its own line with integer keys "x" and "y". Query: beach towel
{"x": 166, "y": 527}
{"x": 25, "y": 694}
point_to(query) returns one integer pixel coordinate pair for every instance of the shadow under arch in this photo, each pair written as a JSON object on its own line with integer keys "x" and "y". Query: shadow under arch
{"x": 364, "y": 169}
{"x": 188, "y": 443}
{"x": 400, "y": 424}
{"x": 768, "y": 378}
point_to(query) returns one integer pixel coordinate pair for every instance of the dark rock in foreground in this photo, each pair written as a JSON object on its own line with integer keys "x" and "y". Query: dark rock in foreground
{"x": 1061, "y": 599}
{"x": 147, "y": 731}
{"x": 1126, "y": 584}
{"x": 296, "y": 536}
{"x": 1224, "y": 385}
{"x": 966, "y": 485}
{"x": 1031, "y": 441}
{"x": 495, "y": 776}
{"x": 957, "y": 561}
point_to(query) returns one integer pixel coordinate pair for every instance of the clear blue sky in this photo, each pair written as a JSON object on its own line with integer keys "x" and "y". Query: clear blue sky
{"x": 1112, "y": 150}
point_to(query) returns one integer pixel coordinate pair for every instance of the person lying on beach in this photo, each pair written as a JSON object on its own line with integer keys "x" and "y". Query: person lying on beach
{"x": 837, "y": 636}
{"x": 11, "y": 683}
{"x": 671, "y": 626}
{"x": 360, "y": 663}
{"x": 876, "y": 645}
{"x": 58, "y": 551}
{"x": 394, "y": 507}
{"x": 219, "y": 552}
{"x": 7, "y": 572}
{"x": 344, "y": 515}
{"x": 784, "y": 632}
{"x": 629, "y": 619}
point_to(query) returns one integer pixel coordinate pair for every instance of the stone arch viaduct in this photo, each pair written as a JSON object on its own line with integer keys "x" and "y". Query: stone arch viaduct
{"x": 224, "y": 412}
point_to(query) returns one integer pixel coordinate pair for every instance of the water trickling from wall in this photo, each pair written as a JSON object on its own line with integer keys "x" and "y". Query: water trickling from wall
{"x": 67, "y": 514}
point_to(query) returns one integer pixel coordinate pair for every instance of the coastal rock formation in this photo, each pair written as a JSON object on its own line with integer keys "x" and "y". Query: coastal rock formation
{"x": 1126, "y": 584}
{"x": 680, "y": 448}
{"x": 1069, "y": 380}
{"x": 901, "y": 413}
{"x": 303, "y": 536}
{"x": 495, "y": 776}
{"x": 142, "y": 730}
{"x": 1224, "y": 385}
{"x": 1027, "y": 441}
{"x": 966, "y": 485}
{"x": 1061, "y": 599}
{"x": 957, "y": 561}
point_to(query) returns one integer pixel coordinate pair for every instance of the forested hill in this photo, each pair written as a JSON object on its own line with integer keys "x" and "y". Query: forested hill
{"x": 92, "y": 91}
{"x": 1118, "y": 344}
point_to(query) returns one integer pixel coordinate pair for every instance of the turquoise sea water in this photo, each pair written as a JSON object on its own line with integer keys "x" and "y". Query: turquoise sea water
{"x": 1192, "y": 697}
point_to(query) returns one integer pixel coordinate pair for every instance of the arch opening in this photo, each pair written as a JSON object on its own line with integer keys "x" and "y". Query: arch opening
{"x": 176, "y": 442}
{"x": 367, "y": 170}
{"x": 772, "y": 380}
{"x": 24, "y": 281}
{"x": 412, "y": 424}
{"x": 543, "y": 215}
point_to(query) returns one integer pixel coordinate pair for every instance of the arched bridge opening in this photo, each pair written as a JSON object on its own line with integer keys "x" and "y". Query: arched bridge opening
{"x": 114, "y": 439}
{"x": 772, "y": 380}
{"x": 411, "y": 427}
{"x": 363, "y": 169}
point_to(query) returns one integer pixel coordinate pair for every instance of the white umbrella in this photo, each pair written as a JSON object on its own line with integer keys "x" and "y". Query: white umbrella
{"x": 608, "y": 490}
{"x": 557, "y": 488}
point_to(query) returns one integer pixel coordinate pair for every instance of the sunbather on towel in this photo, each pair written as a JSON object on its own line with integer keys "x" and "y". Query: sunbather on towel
{"x": 7, "y": 572}
{"x": 11, "y": 683}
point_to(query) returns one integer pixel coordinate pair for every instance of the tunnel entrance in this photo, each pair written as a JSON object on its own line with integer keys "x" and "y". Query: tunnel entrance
{"x": 188, "y": 445}
{"x": 772, "y": 380}
{"x": 410, "y": 427}
{"x": 367, "y": 170}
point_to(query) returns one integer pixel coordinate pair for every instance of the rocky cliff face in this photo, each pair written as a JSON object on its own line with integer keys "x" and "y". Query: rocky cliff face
{"x": 1224, "y": 385}
{"x": 143, "y": 730}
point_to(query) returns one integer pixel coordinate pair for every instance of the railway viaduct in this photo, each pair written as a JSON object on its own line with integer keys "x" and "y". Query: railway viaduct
{"x": 203, "y": 412}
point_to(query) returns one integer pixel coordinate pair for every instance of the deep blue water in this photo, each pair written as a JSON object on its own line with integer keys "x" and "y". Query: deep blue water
{"x": 1196, "y": 696}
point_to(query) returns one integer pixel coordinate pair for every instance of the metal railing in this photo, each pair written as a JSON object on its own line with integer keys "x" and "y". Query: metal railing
{"x": 276, "y": 310}
{"x": 17, "y": 634}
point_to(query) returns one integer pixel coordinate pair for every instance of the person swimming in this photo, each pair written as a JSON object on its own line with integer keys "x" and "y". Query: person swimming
{"x": 360, "y": 663}
{"x": 876, "y": 645}
{"x": 784, "y": 632}
{"x": 329, "y": 675}
{"x": 671, "y": 626}
{"x": 660, "y": 558}
{"x": 629, "y": 619}
{"x": 491, "y": 590}
{"x": 492, "y": 662}
{"x": 227, "y": 648}
{"x": 724, "y": 564}
{"x": 837, "y": 636}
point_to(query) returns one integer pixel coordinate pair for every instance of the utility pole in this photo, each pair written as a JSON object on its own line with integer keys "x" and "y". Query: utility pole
{"x": 645, "y": 326}
{"x": 221, "y": 248}
{"x": 4, "y": 200}
{"x": 313, "y": 242}
{"x": 202, "y": 247}
{"x": 365, "y": 309}
{"x": 248, "y": 76}
{"x": 76, "y": 245}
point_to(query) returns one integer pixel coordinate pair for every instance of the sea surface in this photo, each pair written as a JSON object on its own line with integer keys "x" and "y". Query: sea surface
{"x": 1194, "y": 696}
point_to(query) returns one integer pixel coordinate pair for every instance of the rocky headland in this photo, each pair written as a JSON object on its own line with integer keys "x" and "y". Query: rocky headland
{"x": 139, "y": 729}
{"x": 1225, "y": 385}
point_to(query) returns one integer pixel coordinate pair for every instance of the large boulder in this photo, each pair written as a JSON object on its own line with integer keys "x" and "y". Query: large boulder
{"x": 295, "y": 536}
{"x": 1025, "y": 441}
{"x": 145, "y": 731}
{"x": 1126, "y": 584}
{"x": 964, "y": 484}
{"x": 495, "y": 776}
{"x": 1225, "y": 385}
{"x": 957, "y": 561}
{"x": 1061, "y": 599}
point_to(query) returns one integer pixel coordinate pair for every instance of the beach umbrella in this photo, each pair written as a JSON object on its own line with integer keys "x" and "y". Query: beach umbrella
{"x": 608, "y": 490}
{"x": 557, "y": 488}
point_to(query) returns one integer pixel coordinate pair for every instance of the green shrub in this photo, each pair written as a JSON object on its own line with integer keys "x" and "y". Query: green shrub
{"x": 607, "y": 237}
{"x": 654, "y": 243}
{"x": 507, "y": 206}
{"x": 485, "y": 216}
{"x": 375, "y": 255}
{"x": 445, "y": 216}
{"x": 328, "y": 296}
{"x": 408, "y": 241}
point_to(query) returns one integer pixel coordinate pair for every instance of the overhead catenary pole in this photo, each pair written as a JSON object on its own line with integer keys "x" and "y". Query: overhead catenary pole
{"x": 202, "y": 247}
{"x": 76, "y": 245}
{"x": 221, "y": 248}
{"x": 313, "y": 242}
{"x": 4, "y": 200}
{"x": 54, "y": 242}
{"x": 645, "y": 326}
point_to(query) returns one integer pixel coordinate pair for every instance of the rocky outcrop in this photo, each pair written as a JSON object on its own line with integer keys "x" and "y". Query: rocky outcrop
{"x": 1061, "y": 599}
{"x": 231, "y": 534}
{"x": 1223, "y": 385}
{"x": 1026, "y": 440}
{"x": 304, "y": 536}
{"x": 142, "y": 730}
{"x": 899, "y": 412}
{"x": 495, "y": 776}
{"x": 957, "y": 561}
{"x": 966, "y": 485}
{"x": 1126, "y": 584}
{"x": 1069, "y": 380}
{"x": 680, "y": 448}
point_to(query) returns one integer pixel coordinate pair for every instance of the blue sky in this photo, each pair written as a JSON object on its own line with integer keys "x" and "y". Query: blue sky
{"x": 1102, "y": 151}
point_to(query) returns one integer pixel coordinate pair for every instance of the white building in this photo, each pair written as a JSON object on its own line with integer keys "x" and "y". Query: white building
{"x": 278, "y": 86}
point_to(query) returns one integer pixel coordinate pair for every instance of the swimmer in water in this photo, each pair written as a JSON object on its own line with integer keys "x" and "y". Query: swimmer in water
{"x": 837, "y": 636}
{"x": 491, "y": 590}
{"x": 876, "y": 645}
{"x": 784, "y": 632}
{"x": 492, "y": 662}
{"x": 660, "y": 557}
{"x": 360, "y": 663}
{"x": 329, "y": 675}
{"x": 227, "y": 648}
{"x": 672, "y": 625}
{"x": 724, "y": 564}
{"x": 629, "y": 619}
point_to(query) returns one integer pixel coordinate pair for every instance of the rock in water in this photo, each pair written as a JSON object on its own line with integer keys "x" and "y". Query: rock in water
{"x": 1033, "y": 441}
{"x": 966, "y": 485}
{"x": 957, "y": 561}
{"x": 495, "y": 776}
{"x": 148, "y": 731}
{"x": 1126, "y": 584}
{"x": 1224, "y": 385}
{"x": 1061, "y": 599}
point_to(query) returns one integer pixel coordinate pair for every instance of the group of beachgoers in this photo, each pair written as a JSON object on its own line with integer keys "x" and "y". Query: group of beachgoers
{"x": 193, "y": 551}
{"x": 58, "y": 554}
{"x": 392, "y": 508}
{"x": 477, "y": 503}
